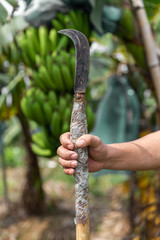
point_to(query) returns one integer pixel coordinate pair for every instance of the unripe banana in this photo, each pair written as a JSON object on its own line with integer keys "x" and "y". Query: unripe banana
{"x": 57, "y": 77}
{"x": 67, "y": 77}
{"x": 63, "y": 43}
{"x": 60, "y": 17}
{"x": 38, "y": 82}
{"x": 65, "y": 127}
{"x": 53, "y": 37}
{"x": 67, "y": 114}
{"x": 49, "y": 63}
{"x": 44, "y": 41}
{"x": 62, "y": 106}
{"x": 73, "y": 66}
{"x": 38, "y": 113}
{"x": 40, "y": 151}
{"x": 38, "y": 139}
{"x": 46, "y": 78}
{"x": 73, "y": 19}
{"x": 47, "y": 111}
{"x": 32, "y": 36}
{"x": 52, "y": 99}
{"x": 57, "y": 25}
{"x": 26, "y": 108}
{"x": 56, "y": 124}
{"x": 14, "y": 53}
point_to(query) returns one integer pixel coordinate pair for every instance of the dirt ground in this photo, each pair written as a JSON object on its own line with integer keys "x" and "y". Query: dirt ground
{"x": 108, "y": 214}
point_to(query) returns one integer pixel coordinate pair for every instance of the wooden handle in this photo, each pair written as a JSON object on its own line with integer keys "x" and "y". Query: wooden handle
{"x": 78, "y": 128}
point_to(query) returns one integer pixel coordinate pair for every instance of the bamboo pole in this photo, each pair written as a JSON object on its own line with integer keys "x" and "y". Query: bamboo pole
{"x": 149, "y": 45}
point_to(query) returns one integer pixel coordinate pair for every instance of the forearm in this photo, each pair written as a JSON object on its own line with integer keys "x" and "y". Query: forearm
{"x": 141, "y": 154}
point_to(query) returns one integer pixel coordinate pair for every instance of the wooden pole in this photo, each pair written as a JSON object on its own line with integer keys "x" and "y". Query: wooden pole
{"x": 83, "y": 231}
{"x": 78, "y": 128}
{"x": 149, "y": 44}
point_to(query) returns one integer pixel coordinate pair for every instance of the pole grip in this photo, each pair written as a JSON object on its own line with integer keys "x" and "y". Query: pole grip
{"x": 78, "y": 128}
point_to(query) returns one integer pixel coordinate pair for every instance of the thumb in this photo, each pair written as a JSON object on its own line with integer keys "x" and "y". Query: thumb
{"x": 88, "y": 140}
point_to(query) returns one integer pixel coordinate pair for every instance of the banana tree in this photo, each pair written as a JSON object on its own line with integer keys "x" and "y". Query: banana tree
{"x": 12, "y": 85}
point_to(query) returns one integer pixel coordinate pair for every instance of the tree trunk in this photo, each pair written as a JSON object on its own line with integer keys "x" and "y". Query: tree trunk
{"x": 33, "y": 195}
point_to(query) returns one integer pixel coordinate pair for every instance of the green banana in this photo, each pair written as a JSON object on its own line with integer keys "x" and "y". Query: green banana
{"x": 26, "y": 108}
{"x": 57, "y": 77}
{"x": 38, "y": 82}
{"x": 67, "y": 114}
{"x": 65, "y": 127}
{"x": 27, "y": 56}
{"x": 37, "y": 113}
{"x": 43, "y": 73}
{"x": 62, "y": 104}
{"x": 32, "y": 36}
{"x": 80, "y": 20}
{"x": 53, "y": 37}
{"x": 67, "y": 77}
{"x": 56, "y": 124}
{"x": 30, "y": 92}
{"x": 65, "y": 57}
{"x": 57, "y": 24}
{"x": 60, "y": 17}
{"x": 47, "y": 138}
{"x": 39, "y": 96}
{"x": 68, "y": 97}
{"x": 63, "y": 43}
{"x": 86, "y": 26}
{"x": 41, "y": 152}
{"x": 73, "y": 66}
{"x": 14, "y": 53}
{"x": 52, "y": 99}
{"x": 73, "y": 19}
{"x": 47, "y": 111}
{"x": 37, "y": 139}
{"x": 44, "y": 41}
{"x": 49, "y": 63}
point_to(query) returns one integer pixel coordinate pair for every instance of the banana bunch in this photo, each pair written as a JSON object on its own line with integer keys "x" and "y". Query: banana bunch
{"x": 74, "y": 19}
{"x": 52, "y": 113}
{"x": 55, "y": 72}
{"x": 37, "y": 44}
{"x": 39, "y": 107}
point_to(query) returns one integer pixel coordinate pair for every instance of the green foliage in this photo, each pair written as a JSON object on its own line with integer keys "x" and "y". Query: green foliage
{"x": 14, "y": 156}
{"x": 3, "y": 14}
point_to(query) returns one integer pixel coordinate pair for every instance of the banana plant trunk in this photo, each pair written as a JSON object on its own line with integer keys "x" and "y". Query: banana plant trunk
{"x": 33, "y": 195}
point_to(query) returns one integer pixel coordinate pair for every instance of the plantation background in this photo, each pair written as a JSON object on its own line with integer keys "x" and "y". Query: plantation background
{"x": 37, "y": 68}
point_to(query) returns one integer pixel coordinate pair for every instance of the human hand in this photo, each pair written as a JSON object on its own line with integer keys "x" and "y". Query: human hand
{"x": 97, "y": 153}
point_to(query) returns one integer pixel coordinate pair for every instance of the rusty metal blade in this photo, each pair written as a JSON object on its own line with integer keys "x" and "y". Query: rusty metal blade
{"x": 82, "y": 58}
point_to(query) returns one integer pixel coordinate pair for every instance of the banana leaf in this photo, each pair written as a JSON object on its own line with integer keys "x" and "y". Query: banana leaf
{"x": 3, "y": 14}
{"x": 9, "y": 30}
{"x": 40, "y": 12}
{"x": 118, "y": 115}
{"x": 14, "y": 3}
{"x": 10, "y": 87}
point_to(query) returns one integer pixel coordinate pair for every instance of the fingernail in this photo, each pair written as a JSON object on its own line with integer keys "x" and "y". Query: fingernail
{"x": 70, "y": 171}
{"x": 74, "y": 164}
{"x": 69, "y": 146}
{"x": 74, "y": 156}
{"x": 80, "y": 143}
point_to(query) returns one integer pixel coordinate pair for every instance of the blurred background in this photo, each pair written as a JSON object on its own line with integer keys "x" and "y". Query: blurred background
{"x": 37, "y": 69}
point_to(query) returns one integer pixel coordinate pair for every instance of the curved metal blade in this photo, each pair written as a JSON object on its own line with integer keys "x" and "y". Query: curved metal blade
{"x": 82, "y": 58}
